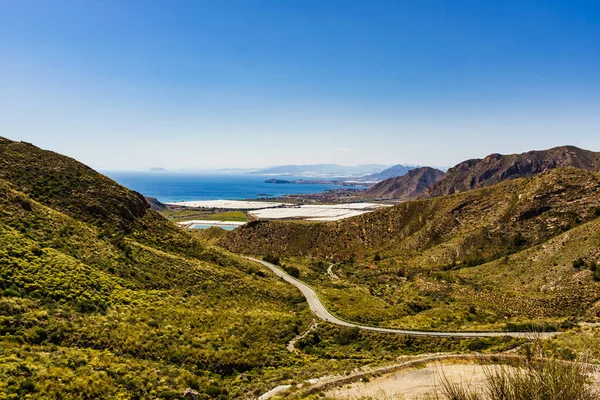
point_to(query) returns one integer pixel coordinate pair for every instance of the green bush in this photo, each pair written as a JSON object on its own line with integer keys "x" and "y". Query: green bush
{"x": 292, "y": 270}
{"x": 347, "y": 335}
{"x": 578, "y": 263}
{"x": 272, "y": 259}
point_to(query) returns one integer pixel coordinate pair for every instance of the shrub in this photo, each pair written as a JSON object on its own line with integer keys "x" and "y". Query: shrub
{"x": 529, "y": 327}
{"x": 519, "y": 240}
{"x": 11, "y": 292}
{"x": 347, "y": 335}
{"x": 320, "y": 265}
{"x": 37, "y": 335}
{"x": 293, "y": 271}
{"x": 532, "y": 380}
{"x": 272, "y": 259}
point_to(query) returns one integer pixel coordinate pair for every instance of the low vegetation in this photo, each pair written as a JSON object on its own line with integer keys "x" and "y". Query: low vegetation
{"x": 516, "y": 256}
{"x": 102, "y": 297}
{"x": 538, "y": 376}
{"x": 466, "y": 229}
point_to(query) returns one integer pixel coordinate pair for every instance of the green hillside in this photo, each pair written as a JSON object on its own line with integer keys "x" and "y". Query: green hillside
{"x": 103, "y": 298}
{"x": 503, "y": 257}
{"x": 102, "y": 294}
{"x": 467, "y": 228}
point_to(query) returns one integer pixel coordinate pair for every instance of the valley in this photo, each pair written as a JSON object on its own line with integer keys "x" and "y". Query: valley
{"x": 113, "y": 297}
{"x": 299, "y": 200}
{"x": 109, "y": 298}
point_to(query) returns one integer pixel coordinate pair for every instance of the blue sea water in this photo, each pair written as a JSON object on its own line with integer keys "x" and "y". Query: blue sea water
{"x": 168, "y": 186}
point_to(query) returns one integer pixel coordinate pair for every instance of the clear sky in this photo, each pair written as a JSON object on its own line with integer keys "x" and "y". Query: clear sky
{"x": 130, "y": 84}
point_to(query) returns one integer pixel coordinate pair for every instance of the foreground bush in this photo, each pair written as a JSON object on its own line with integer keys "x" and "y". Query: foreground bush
{"x": 545, "y": 379}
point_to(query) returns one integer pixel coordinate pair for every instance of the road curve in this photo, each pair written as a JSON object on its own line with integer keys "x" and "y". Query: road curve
{"x": 320, "y": 311}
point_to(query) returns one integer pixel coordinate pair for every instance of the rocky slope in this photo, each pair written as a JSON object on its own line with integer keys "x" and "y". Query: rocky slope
{"x": 495, "y": 168}
{"x": 497, "y": 257}
{"x": 468, "y": 228}
{"x": 155, "y": 204}
{"x": 406, "y": 187}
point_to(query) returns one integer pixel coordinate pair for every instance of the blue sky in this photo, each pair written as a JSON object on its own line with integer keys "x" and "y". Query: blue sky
{"x": 211, "y": 84}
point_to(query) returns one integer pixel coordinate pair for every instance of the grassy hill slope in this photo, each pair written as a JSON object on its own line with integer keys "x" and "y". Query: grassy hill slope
{"x": 552, "y": 284}
{"x": 101, "y": 297}
{"x": 467, "y": 228}
{"x": 493, "y": 258}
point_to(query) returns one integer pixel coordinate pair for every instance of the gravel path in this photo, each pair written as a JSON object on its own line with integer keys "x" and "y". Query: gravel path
{"x": 291, "y": 346}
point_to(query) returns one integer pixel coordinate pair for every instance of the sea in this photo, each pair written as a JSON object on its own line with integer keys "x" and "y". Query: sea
{"x": 172, "y": 187}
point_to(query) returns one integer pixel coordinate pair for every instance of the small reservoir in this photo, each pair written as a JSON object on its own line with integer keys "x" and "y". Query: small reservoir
{"x": 206, "y": 226}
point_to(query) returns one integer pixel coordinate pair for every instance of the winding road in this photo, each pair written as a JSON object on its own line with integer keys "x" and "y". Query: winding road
{"x": 320, "y": 311}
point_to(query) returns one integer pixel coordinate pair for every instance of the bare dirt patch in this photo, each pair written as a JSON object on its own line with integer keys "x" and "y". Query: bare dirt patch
{"x": 412, "y": 383}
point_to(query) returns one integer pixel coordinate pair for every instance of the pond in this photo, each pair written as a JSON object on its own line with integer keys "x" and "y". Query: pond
{"x": 206, "y": 226}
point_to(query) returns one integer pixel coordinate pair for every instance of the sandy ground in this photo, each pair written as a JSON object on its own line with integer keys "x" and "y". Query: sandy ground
{"x": 228, "y": 204}
{"x": 209, "y": 222}
{"x": 413, "y": 383}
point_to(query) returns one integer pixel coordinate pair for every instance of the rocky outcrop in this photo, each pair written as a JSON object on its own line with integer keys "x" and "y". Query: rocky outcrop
{"x": 406, "y": 187}
{"x": 495, "y": 168}
{"x": 155, "y": 204}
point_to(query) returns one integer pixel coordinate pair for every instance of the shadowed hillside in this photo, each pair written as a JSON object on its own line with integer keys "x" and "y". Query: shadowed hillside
{"x": 406, "y": 187}
{"x": 496, "y": 168}
{"x": 113, "y": 299}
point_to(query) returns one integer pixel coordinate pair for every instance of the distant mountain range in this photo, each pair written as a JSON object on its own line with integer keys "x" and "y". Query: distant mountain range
{"x": 477, "y": 173}
{"x": 323, "y": 170}
{"x": 392, "y": 172}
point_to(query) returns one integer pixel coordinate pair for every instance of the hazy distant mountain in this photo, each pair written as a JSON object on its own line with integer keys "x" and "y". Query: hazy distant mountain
{"x": 157, "y": 169}
{"x": 236, "y": 170}
{"x": 406, "y": 187}
{"x": 329, "y": 170}
{"x": 392, "y": 172}
{"x": 495, "y": 168}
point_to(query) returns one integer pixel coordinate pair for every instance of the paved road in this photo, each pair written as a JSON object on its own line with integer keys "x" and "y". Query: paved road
{"x": 320, "y": 311}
